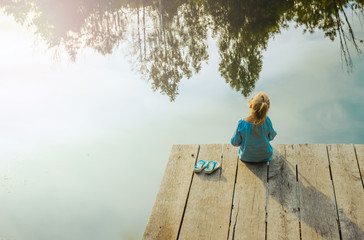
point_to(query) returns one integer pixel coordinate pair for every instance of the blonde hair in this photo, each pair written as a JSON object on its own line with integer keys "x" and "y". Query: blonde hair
{"x": 260, "y": 104}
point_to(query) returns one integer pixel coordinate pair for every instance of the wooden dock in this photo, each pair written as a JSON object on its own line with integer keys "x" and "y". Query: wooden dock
{"x": 309, "y": 191}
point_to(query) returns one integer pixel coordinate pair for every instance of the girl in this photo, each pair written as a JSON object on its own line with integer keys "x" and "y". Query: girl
{"x": 255, "y": 131}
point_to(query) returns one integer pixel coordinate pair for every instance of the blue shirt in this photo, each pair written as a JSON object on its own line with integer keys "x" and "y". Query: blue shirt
{"x": 254, "y": 146}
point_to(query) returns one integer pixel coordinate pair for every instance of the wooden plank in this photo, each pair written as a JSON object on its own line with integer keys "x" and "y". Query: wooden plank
{"x": 248, "y": 216}
{"x": 360, "y": 157}
{"x": 165, "y": 219}
{"x": 208, "y": 208}
{"x": 318, "y": 214}
{"x": 282, "y": 200}
{"x": 348, "y": 189}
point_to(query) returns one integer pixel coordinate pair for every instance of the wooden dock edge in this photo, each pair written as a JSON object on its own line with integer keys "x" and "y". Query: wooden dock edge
{"x": 301, "y": 178}
{"x": 168, "y": 210}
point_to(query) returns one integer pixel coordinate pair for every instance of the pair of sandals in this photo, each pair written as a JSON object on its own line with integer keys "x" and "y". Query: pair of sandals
{"x": 208, "y": 167}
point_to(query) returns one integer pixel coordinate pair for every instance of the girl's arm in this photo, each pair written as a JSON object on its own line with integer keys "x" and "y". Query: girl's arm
{"x": 271, "y": 133}
{"x": 236, "y": 140}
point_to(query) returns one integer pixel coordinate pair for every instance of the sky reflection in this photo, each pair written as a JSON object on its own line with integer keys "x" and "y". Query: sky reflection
{"x": 85, "y": 144}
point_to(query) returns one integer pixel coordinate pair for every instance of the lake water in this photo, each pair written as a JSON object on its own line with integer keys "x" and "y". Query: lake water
{"x": 92, "y": 99}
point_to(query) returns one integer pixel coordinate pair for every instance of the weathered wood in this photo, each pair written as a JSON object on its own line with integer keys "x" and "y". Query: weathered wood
{"x": 318, "y": 215}
{"x": 360, "y": 157}
{"x": 165, "y": 219}
{"x": 199, "y": 206}
{"x": 248, "y": 216}
{"x": 282, "y": 201}
{"x": 348, "y": 189}
{"x": 208, "y": 208}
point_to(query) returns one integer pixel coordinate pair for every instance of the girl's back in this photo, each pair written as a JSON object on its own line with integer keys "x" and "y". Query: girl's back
{"x": 254, "y": 132}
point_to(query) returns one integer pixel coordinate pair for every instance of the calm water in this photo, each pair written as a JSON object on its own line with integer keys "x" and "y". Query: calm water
{"x": 92, "y": 97}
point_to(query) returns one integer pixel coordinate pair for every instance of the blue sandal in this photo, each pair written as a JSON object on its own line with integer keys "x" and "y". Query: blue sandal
{"x": 200, "y": 165}
{"x": 212, "y": 166}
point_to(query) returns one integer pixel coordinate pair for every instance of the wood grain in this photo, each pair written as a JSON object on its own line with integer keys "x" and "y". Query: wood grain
{"x": 360, "y": 157}
{"x": 248, "y": 216}
{"x": 165, "y": 219}
{"x": 348, "y": 189}
{"x": 231, "y": 203}
{"x": 208, "y": 208}
{"x": 283, "y": 203}
{"x": 318, "y": 214}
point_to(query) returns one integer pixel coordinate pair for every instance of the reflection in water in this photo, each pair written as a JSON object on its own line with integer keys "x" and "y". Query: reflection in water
{"x": 168, "y": 41}
{"x": 171, "y": 48}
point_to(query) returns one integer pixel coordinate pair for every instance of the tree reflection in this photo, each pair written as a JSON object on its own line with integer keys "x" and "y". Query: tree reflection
{"x": 168, "y": 40}
{"x": 330, "y": 17}
{"x": 174, "y": 46}
{"x": 243, "y": 29}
